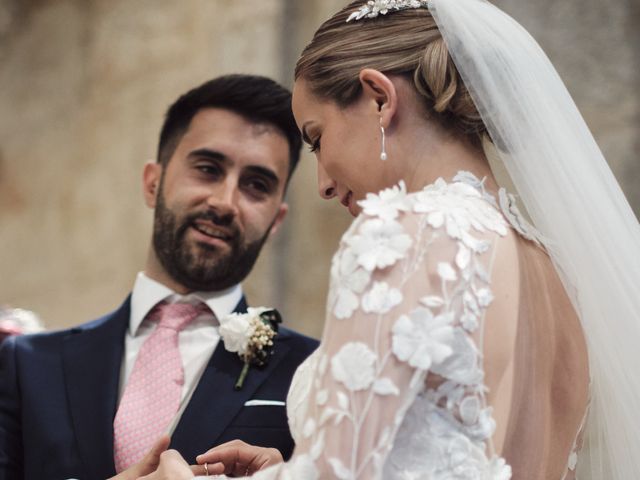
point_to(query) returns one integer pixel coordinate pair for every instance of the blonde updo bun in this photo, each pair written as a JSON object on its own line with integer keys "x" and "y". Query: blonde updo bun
{"x": 406, "y": 43}
{"x": 438, "y": 81}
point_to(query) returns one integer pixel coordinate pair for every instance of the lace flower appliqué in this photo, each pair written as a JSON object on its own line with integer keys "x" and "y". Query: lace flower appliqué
{"x": 422, "y": 339}
{"x": 348, "y": 280}
{"x": 507, "y": 203}
{"x": 379, "y": 244}
{"x": 509, "y": 207}
{"x": 388, "y": 204}
{"x": 354, "y": 366}
{"x": 456, "y": 207}
{"x": 381, "y": 298}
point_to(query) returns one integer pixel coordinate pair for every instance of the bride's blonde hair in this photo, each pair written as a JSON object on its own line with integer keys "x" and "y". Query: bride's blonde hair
{"x": 406, "y": 43}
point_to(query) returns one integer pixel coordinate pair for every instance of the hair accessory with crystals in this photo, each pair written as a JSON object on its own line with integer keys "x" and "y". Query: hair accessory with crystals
{"x": 373, "y": 8}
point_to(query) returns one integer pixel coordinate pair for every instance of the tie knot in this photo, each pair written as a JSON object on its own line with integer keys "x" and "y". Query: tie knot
{"x": 176, "y": 315}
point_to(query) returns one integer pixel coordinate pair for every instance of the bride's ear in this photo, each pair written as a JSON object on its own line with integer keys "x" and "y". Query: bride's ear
{"x": 379, "y": 88}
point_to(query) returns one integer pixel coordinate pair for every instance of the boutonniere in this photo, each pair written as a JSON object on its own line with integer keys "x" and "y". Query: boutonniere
{"x": 250, "y": 335}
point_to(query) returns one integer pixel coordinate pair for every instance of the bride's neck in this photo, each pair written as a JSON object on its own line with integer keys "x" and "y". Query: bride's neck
{"x": 431, "y": 153}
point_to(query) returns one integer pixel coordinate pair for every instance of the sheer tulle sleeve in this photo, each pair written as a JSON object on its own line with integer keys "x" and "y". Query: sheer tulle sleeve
{"x": 409, "y": 287}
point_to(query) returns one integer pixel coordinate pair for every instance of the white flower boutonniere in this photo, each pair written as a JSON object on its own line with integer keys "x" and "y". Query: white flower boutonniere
{"x": 250, "y": 335}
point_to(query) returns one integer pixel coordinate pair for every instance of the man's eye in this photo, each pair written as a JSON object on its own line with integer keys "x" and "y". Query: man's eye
{"x": 258, "y": 185}
{"x": 208, "y": 169}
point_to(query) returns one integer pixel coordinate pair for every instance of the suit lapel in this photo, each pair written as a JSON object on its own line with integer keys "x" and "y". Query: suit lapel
{"x": 215, "y": 401}
{"x": 92, "y": 357}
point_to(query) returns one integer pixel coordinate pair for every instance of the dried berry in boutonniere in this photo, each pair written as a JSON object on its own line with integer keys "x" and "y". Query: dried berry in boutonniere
{"x": 250, "y": 335}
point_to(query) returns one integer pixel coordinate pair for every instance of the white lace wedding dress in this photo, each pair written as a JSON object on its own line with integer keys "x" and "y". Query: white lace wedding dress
{"x": 450, "y": 349}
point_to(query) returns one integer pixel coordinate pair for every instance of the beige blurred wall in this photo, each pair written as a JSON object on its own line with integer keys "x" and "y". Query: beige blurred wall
{"x": 84, "y": 85}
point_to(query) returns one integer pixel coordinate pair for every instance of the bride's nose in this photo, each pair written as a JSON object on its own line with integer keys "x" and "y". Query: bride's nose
{"x": 326, "y": 185}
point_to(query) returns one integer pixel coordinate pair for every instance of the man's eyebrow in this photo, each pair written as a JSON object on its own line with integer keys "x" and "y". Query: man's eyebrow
{"x": 208, "y": 153}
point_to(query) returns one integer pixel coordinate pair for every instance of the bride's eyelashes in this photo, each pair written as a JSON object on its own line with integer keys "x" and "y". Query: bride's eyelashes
{"x": 315, "y": 145}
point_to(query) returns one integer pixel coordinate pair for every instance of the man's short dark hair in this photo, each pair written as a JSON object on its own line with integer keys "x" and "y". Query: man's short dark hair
{"x": 256, "y": 98}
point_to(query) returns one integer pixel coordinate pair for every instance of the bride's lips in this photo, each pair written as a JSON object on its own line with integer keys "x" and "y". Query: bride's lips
{"x": 211, "y": 234}
{"x": 348, "y": 202}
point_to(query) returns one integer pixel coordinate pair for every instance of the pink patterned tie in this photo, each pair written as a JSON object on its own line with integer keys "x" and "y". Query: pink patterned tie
{"x": 152, "y": 395}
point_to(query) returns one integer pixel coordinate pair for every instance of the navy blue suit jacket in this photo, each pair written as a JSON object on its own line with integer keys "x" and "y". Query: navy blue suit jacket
{"x": 58, "y": 399}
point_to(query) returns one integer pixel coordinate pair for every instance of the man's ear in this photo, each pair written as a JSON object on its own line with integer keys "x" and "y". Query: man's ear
{"x": 282, "y": 212}
{"x": 151, "y": 182}
{"x": 379, "y": 88}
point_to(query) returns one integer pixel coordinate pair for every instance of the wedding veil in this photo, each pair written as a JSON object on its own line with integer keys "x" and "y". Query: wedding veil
{"x": 574, "y": 200}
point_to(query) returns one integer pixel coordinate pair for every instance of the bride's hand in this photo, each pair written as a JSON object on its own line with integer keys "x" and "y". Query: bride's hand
{"x": 148, "y": 464}
{"x": 171, "y": 467}
{"x": 237, "y": 458}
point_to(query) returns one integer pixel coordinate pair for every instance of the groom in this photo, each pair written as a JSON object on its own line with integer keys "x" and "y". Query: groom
{"x": 90, "y": 400}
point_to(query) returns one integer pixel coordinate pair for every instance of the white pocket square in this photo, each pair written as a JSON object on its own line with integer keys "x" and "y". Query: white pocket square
{"x": 263, "y": 403}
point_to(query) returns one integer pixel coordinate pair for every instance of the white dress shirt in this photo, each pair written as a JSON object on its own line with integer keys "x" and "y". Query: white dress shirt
{"x": 196, "y": 341}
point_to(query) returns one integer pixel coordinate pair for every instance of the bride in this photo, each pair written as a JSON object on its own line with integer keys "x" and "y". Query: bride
{"x": 460, "y": 341}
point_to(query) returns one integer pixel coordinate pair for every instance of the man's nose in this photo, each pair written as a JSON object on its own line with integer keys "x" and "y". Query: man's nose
{"x": 326, "y": 185}
{"x": 223, "y": 201}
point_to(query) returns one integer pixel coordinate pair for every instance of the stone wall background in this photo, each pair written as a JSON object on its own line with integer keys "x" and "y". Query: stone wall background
{"x": 84, "y": 85}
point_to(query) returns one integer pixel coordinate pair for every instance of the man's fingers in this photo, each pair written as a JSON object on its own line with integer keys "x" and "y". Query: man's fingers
{"x": 233, "y": 444}
{"x": 240, "y": 458}
{"x": 210, "y": 469}
{"x": 198, "y": 470}
{"x": 221, "y": 454}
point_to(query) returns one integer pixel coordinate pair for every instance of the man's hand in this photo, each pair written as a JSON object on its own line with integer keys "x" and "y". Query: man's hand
{"x": 148, "y": 464}
{"x": 236, "y": 458}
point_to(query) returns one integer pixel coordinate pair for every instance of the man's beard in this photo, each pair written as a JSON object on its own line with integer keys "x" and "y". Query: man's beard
{"x": 200, "y": 266}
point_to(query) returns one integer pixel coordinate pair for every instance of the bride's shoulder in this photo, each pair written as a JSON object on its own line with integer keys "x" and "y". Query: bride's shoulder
{"x": 457, "y": 208}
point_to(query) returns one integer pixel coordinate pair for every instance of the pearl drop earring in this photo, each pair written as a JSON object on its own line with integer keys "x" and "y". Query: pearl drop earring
{"x": 383, "y": 153}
